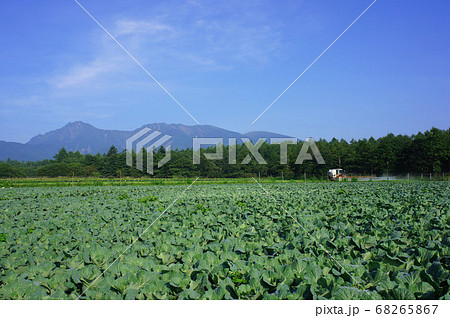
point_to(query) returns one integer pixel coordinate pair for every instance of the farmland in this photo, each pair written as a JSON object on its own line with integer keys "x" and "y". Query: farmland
{"x": 374, "y": 240}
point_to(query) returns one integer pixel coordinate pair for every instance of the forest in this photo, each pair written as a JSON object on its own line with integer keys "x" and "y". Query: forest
{"x": 423, "y": 153}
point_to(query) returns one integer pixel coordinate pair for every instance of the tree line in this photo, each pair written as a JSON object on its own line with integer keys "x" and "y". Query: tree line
{"x": 427, "y": 152}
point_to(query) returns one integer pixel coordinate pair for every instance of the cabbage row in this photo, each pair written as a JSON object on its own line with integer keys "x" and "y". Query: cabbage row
{"x": 316, "y": 241}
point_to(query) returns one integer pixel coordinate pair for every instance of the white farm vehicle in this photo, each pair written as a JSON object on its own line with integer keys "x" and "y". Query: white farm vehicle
{"x": 336, "y": 174}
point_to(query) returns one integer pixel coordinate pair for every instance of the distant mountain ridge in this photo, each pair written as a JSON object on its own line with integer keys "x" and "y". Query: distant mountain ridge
{"x": 85, "y": 138}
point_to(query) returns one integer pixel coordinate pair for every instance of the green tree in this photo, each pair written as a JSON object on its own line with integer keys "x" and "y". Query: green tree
{"x": 62, "y": 155}
{"x": 9, "y": 171}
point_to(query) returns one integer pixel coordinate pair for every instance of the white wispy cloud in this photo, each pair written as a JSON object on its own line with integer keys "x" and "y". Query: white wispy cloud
{"x": 108, "y": 58}
{"x": 130, "y": 26}
{"x": 80, "y": 74}
{"x": 192, "y": 37}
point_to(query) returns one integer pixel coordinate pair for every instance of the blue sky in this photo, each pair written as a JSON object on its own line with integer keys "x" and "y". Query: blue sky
{"x": 226, "y": 61}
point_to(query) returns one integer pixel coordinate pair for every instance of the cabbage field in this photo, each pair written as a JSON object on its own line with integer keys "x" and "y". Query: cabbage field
{"x": 361, "y": 240}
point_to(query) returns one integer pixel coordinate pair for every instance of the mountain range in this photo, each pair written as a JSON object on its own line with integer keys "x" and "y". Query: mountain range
{"x": 85, "y": 138}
